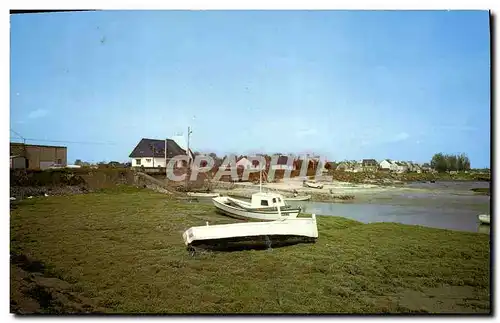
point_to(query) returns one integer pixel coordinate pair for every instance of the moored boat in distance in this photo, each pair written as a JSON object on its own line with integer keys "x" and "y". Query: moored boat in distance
{"x": 298, "y": 198}
{"x": 484, "y": 218}
{"x": 200, "y": 194}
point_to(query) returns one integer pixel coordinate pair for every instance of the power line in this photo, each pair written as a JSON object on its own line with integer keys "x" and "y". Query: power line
{"x": 18, "y": 134}
{"x": 70, "y": 142}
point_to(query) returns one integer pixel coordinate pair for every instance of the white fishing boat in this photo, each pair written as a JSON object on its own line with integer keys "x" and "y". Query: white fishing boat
{"x": 298, "y": 198}
{"x": 263, "y": 206}
{"x": 200, "y": 194}
{"x": 484, "y": 218}
{"x": 275, "y": 230}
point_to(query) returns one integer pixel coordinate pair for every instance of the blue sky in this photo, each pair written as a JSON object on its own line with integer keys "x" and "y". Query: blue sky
{"x": 343, "y": 84}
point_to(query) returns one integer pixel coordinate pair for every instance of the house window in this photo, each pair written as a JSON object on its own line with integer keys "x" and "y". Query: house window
{"x": 138, "y": 162}
{"x": 59, "y": 161}
{"x": 264, "y": 203}
{"x": 148, "y": 160}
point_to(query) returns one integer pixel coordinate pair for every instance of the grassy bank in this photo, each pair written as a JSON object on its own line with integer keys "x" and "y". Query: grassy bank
{"x": 380, "y": 177}
{"x": 123, "y": 250}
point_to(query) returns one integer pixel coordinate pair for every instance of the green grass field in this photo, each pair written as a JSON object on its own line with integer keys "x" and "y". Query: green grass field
{"x": 122, "y": 249}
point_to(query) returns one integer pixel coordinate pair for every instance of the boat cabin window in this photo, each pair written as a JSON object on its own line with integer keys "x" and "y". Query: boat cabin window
{"x": 264, "y": 203}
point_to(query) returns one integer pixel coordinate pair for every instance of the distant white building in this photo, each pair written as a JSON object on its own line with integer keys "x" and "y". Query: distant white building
{"x": 350, "y": 166}
{"x": 388, "y": 165}
{"x": 245, "y": 163}
{"x": 151, "y": 153}
{"x": 401, "y": 167}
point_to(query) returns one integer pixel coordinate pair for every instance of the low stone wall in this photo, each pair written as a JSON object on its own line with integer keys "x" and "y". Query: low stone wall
{"x": 22, "y": 192}
{"x": 146, "y": 181}
{"x": 223, "y": 185}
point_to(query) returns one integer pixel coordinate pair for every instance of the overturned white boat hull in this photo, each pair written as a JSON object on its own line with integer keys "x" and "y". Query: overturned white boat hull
{"x": 297, "y": 227}
{"x": 313, "y": 185}
{"x": 484, "y": 218}
{"x": 298, "y": 198}
{"x": 236, "y": 208}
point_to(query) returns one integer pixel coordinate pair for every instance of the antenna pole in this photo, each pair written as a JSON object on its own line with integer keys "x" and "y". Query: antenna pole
{"x": 189, "y": 156}
{"x": 260, "y": 185}
{"x": 166, "y": 159}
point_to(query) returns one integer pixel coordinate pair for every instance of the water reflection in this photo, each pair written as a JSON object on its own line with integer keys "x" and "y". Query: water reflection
{"x": 454, "y": 218}
{"x": 446, "y": 205}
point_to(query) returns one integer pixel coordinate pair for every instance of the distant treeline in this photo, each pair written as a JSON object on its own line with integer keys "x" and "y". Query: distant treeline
{"x": 448, "y": 162}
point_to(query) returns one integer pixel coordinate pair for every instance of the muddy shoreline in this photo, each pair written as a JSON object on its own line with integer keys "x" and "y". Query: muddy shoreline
{"x": 345, "y": 192}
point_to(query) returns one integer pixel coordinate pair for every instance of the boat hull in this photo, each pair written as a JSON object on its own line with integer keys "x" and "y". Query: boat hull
{"x": 298, "y": 228}
{"x": 222, "y": 205}
{"x": 298, "y": 198}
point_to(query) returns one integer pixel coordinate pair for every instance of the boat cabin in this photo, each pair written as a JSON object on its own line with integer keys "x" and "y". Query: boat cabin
{"x": 262, "y": 199}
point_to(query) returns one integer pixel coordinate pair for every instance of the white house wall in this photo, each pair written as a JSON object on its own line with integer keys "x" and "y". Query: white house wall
{"x": 148, "y": 162}
{"x": 387, "y": 165}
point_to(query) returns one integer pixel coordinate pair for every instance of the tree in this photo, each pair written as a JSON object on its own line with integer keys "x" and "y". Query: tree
{"x": 463, "y": 162}
{"x": 113, "y": 164}
{"x": 331, "y": 165}
{"x": 438, "y": 162}
{"x": 451, "y": 162}
{"x": 78, "y": 162}
{"x": 448, "y": 162}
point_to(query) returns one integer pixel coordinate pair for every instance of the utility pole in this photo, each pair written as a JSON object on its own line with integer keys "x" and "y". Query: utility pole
{"x": 189, "y": 156}
{"x": 166, "y": 159}
{"x": 24, "y": 148}
{"x": 154, "y": 148}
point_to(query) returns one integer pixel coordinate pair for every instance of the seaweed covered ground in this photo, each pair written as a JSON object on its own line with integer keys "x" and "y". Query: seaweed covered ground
{"x": 120, "y": 250}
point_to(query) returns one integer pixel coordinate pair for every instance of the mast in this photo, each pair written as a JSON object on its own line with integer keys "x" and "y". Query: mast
{"x": 189, "y": 156}
{"x": 166, "y": 159}
{"x": 260, "y": 185}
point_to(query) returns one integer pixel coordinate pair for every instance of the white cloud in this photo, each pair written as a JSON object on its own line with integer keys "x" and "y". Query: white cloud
{"x": 306, "y": 132}
{"x": 457, "y": 128}
{"x": 38, "y": 113}
{"x": 402, "y": 136}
